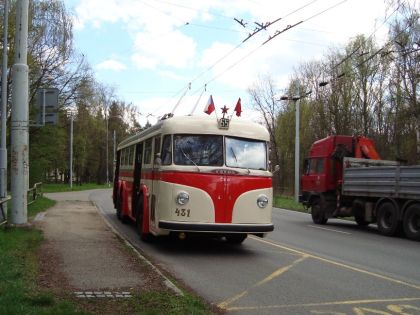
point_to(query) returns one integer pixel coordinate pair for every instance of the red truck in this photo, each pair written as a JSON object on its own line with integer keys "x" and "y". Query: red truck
{"x": 344, "y": 176}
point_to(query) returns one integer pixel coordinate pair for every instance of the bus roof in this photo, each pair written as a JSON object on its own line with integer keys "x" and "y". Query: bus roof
{"x": 238, "y": 127}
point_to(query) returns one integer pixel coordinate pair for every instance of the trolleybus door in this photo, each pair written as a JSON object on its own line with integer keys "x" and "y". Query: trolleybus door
{"x": 137, "y": 178}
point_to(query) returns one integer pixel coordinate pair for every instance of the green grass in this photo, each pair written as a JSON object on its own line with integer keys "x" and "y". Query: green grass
{"x": 41, "y": 204}
{"x": 19, "y": 293}
{"x": 151, "y": 303}
{"x": 66, "y": 187}
{"x": 288, "y": 203}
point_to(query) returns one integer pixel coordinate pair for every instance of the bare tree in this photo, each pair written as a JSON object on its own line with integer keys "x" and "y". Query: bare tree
{"x": 263, "y": 99}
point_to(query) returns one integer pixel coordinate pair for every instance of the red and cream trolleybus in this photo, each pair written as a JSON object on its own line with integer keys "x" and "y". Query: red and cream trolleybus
{"x": 195, "y": 174}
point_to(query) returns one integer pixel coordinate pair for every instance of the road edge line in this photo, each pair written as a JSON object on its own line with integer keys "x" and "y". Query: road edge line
{"x": 169, "y": 284}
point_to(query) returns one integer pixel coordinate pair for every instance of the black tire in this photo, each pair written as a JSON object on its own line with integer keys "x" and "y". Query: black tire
{"x": 118, "y": 205}
{"x": 236, "y": 238}
{"x": 387, "y": 219}
{"x": 147, "y": 237}
{"x": 359, "y": 215}
{"x": 317, "y": 213}
{"x": 123, "y": 218}
{"x": 411, "y": 222}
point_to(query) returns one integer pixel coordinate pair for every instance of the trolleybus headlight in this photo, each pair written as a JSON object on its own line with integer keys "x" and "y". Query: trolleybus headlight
{"x": 262, "y": 201}
{"x": 182, "y": 198}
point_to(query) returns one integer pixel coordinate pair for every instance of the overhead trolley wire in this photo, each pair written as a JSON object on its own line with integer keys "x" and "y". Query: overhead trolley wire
{"x": 268, "y": 24}
{"x": 288, "y": 27}
{"x": 371, "y": 35}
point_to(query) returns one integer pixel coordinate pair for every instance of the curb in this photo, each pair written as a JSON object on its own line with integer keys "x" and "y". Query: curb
{"x": 169, "y": 284}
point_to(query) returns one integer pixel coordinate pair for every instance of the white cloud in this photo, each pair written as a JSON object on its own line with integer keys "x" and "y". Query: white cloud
{"x": 161, "y": 42}
{"x": 175, "y": 50}
{"x": 111, "y": 64}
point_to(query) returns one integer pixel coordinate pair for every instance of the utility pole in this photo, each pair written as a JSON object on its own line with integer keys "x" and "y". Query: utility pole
{"x": 19, "y": 123}
{"x": 3, "y": 141}
{"x": 297, "y": 149}
{"x": 71, "y": 151}
{"x": 115, "y": 154}
{"x": 296, "y": 100}
{"x": 107, "y": 155}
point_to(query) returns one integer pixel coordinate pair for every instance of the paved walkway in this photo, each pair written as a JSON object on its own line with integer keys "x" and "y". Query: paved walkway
{"x": 90, "y": 255}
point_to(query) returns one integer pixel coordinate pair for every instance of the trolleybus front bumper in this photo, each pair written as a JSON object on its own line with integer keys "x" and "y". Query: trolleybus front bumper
{"x": 216, "y": 227}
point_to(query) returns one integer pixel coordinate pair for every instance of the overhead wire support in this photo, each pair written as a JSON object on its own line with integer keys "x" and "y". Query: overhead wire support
{"x": 277, "y": 33}
{"x": 288, "y": 27}
{"x": 258, "y": 47}
{"x": 261, "y": 26}
{"x": 264, "y": 26}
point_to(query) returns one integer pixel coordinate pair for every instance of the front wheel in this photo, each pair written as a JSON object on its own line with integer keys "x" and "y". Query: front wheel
{"x": 147, "y": 237}
{"x": 118, "y": 206}
{"x": 387, "y": 217}
{"x": 411, "y": 222}
{"x": 317, "y": 213}
{"x": 236, "y": 238}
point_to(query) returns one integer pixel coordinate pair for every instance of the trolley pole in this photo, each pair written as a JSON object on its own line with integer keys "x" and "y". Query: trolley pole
{"x": 19, "y": 123}
{"x": 3, "y": 142}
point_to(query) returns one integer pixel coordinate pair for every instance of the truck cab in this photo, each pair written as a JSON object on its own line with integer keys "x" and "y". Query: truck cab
{"x": 323, "y": 169}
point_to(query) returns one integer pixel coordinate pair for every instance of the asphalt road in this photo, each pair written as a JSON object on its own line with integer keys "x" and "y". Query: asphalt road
{"x": 300, "y": 268}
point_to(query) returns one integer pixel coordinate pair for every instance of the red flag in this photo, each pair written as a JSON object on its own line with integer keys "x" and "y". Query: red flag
{"x": 210, "y": 106}
{"x": 238, "y": 108}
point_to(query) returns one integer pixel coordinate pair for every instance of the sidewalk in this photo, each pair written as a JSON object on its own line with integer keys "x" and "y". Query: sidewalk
{"x": 81, "y": 255}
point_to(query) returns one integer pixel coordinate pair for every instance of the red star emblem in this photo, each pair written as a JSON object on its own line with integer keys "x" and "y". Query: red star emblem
{"x": 224, "y": 110}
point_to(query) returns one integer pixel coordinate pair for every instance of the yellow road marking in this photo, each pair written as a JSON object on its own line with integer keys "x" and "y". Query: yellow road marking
{"x": 328, "y": 229}
{"x": 354, "y": 302}
{"x": 332, "y": 262}
{"x": 275, "y": 274}
{"x": 280, "y": 271}
{"x": 224, "y": 304}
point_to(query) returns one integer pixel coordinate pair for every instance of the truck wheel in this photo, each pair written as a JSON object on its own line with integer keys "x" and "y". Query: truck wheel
{"x": 387, "y": 219}
{"x": 317, "y": 213}
{"x": 360, "y": 220}
{"x": 359, "y": 214}
{"x": 411, "y": 222}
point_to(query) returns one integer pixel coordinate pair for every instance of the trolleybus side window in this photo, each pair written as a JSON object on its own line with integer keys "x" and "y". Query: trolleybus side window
{"x": 166, "y": 154}
{"x": 148, "y": 152}
{"x": 246, "y": 153}
{"x": 130, "y": 156}
{"x": 156, "y": 147}
{"x": 203, "y": 150}
{"x": 122, "y": 157}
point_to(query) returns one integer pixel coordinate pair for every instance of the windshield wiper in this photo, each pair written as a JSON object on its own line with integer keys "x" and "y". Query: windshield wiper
{"x": 189, "y": 159}
{"x": 234, "y": 155}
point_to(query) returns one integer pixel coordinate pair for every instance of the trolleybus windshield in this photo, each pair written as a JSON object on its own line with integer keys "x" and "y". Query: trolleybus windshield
{"x": 207, "y": 150}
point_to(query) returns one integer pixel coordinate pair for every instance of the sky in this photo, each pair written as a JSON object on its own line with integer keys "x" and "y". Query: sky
{"x": 160, "y": 53}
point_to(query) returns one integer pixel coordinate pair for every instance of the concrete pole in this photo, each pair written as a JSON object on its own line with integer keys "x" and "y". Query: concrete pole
{"x": 19, "y": 123}
{"x": 297, "y": 150}
{"x": 71, "y": 151}
{"x": 3, "y": 141}
{"x": 107, "y": 155}
{"x": 115, "y": 154}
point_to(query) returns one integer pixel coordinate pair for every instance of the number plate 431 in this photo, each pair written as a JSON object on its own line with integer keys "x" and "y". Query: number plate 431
{"x": 182, "y": 212}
